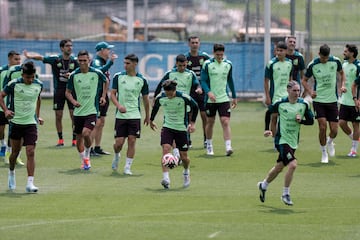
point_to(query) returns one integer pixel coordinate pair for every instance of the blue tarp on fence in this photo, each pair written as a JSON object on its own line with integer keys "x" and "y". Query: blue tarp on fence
{"x": 155, "y": 58}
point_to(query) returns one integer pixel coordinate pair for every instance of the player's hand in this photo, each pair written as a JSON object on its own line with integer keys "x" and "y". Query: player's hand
{"x": 199, "y": 91}
{"x": 153, "y": 125}
{"x": 76, "y": 104}
{"x": 233, "y": 103}
{"x": 146, "y": 121}
{"x": 102, "y": 101}
{"x": 298, "y": 118}
{"x": 9, "y": 114}
{"x": 122, "y": 109}
{"x": 211, "y": 97}
{"x": 191, "y": 127}
{"x": 313, "y": 94}
{"x": 41, "y": 121}
{"x": 343, "y": 89}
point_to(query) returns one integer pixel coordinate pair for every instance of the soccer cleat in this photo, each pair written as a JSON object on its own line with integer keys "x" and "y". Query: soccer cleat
{"x": 30, "y": 188}
{"x": 209, "y": 150}
{"x": 352, "y": 154}
{"x": 287, "y": 200}
{"x": 262, "y": 192}
{"x": 115, "y": 164}
{"x": 60, "y": 143}
{"x": 331, "y": 149}
{"x": 186, "y": 180}
{"x": 19, "y": 161}
{"x": 73, "y": 143}
{"x": 86, "y": 162}
{"x": 100, "y": 151}
{"x": 324, "y": 157}
{"x": 165, "y": 183}
{"x": 127, "y": 171}
{"x": 229, "y": 152}
{"x": 11, "y": 182}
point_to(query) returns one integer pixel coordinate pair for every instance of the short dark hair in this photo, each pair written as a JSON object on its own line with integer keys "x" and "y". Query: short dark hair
{"x": 324, "y": 50}
{"x": 352, "y": 48}
{"x": 169, "y": 85}
{"x": 218, "y": 47}
{"x": 83, "y": 53}
{"x": 132, "y": 57}
{"x": 281, "y": 45}
{"x": 193, "y": 37}
{"x": 13, "y": 53}
{"x": 28, "y": 68}
{"x": 64, "y": 41}
{"x": 181, "y": 58}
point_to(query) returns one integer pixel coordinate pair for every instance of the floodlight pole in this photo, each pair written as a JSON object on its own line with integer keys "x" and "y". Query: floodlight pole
{"x": 308, "y": 30}
{"x": 292, "y": 17}
{"x": 267, "y": 36}
{"x": 130, "y": 20}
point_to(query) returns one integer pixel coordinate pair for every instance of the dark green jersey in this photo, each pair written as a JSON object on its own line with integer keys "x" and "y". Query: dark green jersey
{"x": 175, "y": 110}
{"x": 128, "y": 90}
{"x": 88, "y": 88}
{"x": 23, "y": 100}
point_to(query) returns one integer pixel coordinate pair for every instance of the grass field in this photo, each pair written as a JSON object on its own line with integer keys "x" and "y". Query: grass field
{"x": 221, "y": 203}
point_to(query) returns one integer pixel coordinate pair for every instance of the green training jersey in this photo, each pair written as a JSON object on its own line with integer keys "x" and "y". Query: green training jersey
{"x": 278, "y": 73}
{"x": 352, "y": 71}
{"x": 216, "y": 77}
{"x": 175, "y": 110}
{"x": 288, "y": 128}
{"x": 3, "y": 72}
{"x": 325, "y": 78}
{"x": 128, "y": 90}
{"x": 185, "y": 81}
{"x": 23, "y": 100}
{"x": 88, "y": 88}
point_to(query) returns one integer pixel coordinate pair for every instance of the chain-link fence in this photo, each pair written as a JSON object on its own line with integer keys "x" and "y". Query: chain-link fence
{"x": 331, "y": 21}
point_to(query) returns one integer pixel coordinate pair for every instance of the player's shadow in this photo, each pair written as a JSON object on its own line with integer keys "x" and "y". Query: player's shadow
{"x": 279, "y": 211}
{"x": 318, "y": 164}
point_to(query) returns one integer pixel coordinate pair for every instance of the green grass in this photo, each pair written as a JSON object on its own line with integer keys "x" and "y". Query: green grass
{"x": 221, "y": 203}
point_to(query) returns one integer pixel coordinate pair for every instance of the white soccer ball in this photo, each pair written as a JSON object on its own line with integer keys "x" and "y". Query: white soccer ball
{"x": 169, "y": 161}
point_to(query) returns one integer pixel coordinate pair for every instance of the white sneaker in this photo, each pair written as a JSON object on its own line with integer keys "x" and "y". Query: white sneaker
{"x": 30, "y": 188}
{"x": 11, "y": 182}
{"x": 331, "y": 149}
{"x": 115, "y": 164}
{"x": 186, "y": 180}
{"x": 324, "y": 157}
{"x": 209, "y": 150}
{"x": 352, "y": 154}
{"x": 127, "y": 171}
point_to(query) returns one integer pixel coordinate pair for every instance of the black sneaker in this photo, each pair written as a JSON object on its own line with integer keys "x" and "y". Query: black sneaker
{"x": 93, "y": 153}
{"x": 287, "y": 200}
{"x": 262, "y": 192}
{"x": 100, "y": 151}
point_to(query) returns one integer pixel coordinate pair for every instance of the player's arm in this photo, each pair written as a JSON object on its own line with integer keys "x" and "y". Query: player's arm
{"x": 33, "y": 56}
{"x": 146, "y": 103}
{"x": 230, "y": 82}
{"x": 308, "y": 116}
{"x": 154, "y": 111}
{"x": 343, "y": 81}
{"x": 267, "y": 91}
{"x": 37, "y": 110}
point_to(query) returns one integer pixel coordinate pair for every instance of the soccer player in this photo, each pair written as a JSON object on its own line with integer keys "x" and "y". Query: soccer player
{"x": 13, "y": 59}
{"x": 103, "y": 60}
{"x": 348, "y": 111}
{"x": 216, "y": 77}
{"x": 297, "y": 59}
{"x": 195, "y": 61}
{"x": 277, "y": 76}
{"x": 61, "y": 65}
{"x": 176, "y": 125}
{"x": 127, "y": 86}
{"x": 292, "y": 112}
{"x": 89, "y": 85}
{"x": 324, "y": 69}
{"x": 23, "y": 120}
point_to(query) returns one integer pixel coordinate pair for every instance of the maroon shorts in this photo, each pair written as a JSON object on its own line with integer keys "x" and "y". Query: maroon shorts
{"x": 329, "y": 111}
{"x": 349, "y": 113}
{"x": 3, "y": 119}
{"x": 168, "y": 136}
{"x": 104, "y": 108}
{"x": 81, "y": 122}
{"x": 126, "y": 127}
{"x": 200, "y": 100}
{"x": 28, "y": 133}
{"x": 222, "y": 108}
{"x": 286, "y": 154}
{"x": 59, "y": 100}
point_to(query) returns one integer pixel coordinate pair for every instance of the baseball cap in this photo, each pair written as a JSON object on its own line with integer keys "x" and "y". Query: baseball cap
{"x": 103, "y": 45}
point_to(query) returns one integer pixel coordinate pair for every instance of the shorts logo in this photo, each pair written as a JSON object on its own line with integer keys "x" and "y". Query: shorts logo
{"x": 288, "y": 156}
{"x": 93, "y": 123}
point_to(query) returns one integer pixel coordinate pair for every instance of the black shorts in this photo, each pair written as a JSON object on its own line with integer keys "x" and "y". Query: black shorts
{"x": 81, "y": 122}
{"x": 349, "y": 113}
{"x": 286, "y": 154}
{"x": 200, "y": 100}
{"x": 59, "y": 100}
{"x": 3, "y": 119}
{"x": 168, "y": 136}
{"x": 223, "y": 109}
{"x": 104, "y": 108}
{"x": 28, "y": 133}
{"x": 126, "y": 127}
{"x": 329, "y": 111}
